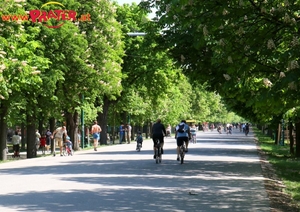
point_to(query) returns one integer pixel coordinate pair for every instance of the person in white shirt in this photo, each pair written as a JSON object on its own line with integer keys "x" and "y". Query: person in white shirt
{"x": 16, "y": 139}
{"x": 58, "y": 136}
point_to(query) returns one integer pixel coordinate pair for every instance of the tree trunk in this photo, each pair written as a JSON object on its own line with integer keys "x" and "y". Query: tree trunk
{"x": 3, "y": 136}
{"x": 298, "y": 139}
{"x": 72, "y": 128}
{"x": 102, "y": 120}
{"x": 40, "y": 127}
{"x": 30, "y": 135}
{"x": 23, "y": 136}
{"x": 3, "y": 133}
{"x": 52, "y": 128}
{"x": 291, "y": 138}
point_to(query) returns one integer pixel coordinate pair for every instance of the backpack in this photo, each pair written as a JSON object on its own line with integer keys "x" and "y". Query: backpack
{"x": 181, "y": 128}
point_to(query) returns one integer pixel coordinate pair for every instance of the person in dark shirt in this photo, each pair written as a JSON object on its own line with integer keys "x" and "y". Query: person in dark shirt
{"x": 158, "y": 132}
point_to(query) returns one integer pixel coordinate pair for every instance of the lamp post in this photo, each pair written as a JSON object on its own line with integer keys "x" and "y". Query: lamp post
{"x": 82, "y": 124}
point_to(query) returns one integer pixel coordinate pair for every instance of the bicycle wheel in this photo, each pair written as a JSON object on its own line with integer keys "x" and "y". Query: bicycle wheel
{"x": 64, "y": 151}
{"x": 159, "y": 154}
{"x": 156, "y": 155}
{"x": 182, "y": 151}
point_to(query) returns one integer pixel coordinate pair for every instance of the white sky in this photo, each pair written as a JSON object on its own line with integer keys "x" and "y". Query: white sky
{"x": 127, "y": 1}
{"x": 121, "y": 2}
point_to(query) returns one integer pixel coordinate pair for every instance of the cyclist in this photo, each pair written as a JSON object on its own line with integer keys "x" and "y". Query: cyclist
{"x": 182, "y": 134}
{"x": 246, "y": 129}
{"x": 158, "y": 132}
{"x": 193, "y": 131}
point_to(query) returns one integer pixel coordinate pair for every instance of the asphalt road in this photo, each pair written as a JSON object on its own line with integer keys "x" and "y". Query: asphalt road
{"x": 222, "y": 172}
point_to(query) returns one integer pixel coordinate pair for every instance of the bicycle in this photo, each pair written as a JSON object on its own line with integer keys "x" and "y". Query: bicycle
{"x": 194, "y": 139}
{"x": 157, "y": 151}
{"x": 246, "y": 132}
{"x": 182, "y": 152}
{"x": 138, "y": 146}
{"x": 67, "y": 150}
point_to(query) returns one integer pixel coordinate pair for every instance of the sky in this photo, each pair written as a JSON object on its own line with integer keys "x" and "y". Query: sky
{"x": 127, "y": 1}
{"x": 121, "y": 2}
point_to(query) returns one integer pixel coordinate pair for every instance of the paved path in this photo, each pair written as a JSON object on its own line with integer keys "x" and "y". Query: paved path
{"x": 223, "y": 171}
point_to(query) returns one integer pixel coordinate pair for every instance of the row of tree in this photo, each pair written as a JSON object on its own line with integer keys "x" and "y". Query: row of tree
{"x": 245, "y": 50}
{"x": 51, "y": 74}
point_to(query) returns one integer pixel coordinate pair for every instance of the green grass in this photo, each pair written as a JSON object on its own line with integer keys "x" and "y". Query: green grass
{"x": 286, "y": 165}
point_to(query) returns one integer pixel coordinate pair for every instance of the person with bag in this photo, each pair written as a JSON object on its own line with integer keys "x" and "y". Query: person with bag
{"x": 182, "y": 134}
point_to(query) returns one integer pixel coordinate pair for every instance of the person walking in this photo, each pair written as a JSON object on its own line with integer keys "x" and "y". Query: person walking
{"x": 37, "y": 139}
{"x": 129, "y": 128}
{"x": 96, "y": 129}
{"x": 16, "y": 139}
{"x": 121, "y": 132}
{"x": 48, "y": 139}
{"x": 158, "y": 132}
{"x": 58, "y": 136}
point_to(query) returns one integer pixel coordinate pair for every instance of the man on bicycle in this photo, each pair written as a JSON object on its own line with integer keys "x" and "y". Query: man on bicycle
{"x": 182, "y": 134}
{"x": 158, "y": 132}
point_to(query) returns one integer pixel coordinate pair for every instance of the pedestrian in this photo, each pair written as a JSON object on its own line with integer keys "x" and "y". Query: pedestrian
{"x": 16, "y": 139}
{"x": 37, "y": 139}
{"x": 182, "y": 134}
{"x": 48, "y": 139}
{"x": 96, "y": 129}
{"x": 158, "y": 133}
{"x": 43, "y": 143}
{"x": 58, "y": 136}
{"x": 129, "y": 128}
{"x": 121, "y": 133}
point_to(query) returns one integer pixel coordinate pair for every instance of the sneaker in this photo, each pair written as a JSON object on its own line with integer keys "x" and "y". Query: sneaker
{"x": 154, "y": 156}
{"x": 177, "y": 158}
{"x": 95, "y": 149}
{"x": 61, "y": 154}
{"x": 162, "y": 151}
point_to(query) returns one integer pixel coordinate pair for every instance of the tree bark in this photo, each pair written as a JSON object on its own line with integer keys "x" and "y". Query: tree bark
{"x": 298, "y": 139}
{"x": 102, "y": 120}
{"x": 31, "y": 146}
{"x": 3, "y": 132}
{"x": 23, "y": 136}
{"x": 72, "y": 128}
{"x": 3, "y": 136}
{"x": 52, "y": 128}
{"x": 291, "y": 138}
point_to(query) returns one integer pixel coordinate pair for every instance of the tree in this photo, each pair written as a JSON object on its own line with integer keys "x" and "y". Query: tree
{"x": 244, "y": 50}
{"x": 105, "y": 51}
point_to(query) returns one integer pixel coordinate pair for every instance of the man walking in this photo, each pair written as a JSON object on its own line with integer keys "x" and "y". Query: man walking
{"x": 129, "y": 128}
{"x": 58, "y": 136}
{"x": 96, "y": 129}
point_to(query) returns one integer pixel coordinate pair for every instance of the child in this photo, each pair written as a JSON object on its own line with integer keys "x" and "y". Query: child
{"x": 139, "y": 140}
{"x": 43, "y": 143}
{"x": 68, "y": 143}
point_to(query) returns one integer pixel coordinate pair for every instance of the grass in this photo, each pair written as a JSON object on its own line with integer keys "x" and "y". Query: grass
{"x": 286, "y": 165}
